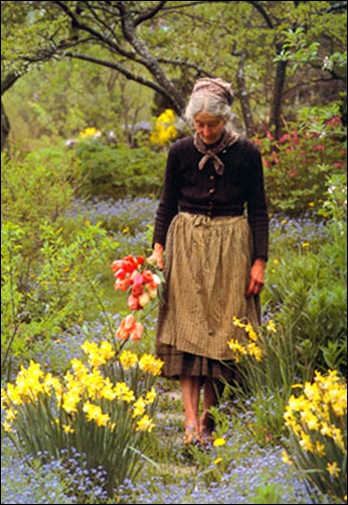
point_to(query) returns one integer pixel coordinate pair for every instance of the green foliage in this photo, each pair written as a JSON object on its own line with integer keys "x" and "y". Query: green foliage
{"x": 264, "y": 386}
{"x": 43, "y": 295}
{"x": 335, "y": 205}
{"x": 308, "y": 294}
{"x": 305, "y": 297}
{"x": 38, "y": 187}
{"x": 298, "y": 165}
{"x": 297, "y": 49}
{"x": 51, "y": 265}
{"x": 69, "y": 93}
{"x": 116, "y": 172}
{"x": 267, "y": 494}
{"x": 61, "y": 99}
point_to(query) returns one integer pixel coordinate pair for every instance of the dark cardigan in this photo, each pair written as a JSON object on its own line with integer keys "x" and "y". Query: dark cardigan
{"x": 240, "y": 187}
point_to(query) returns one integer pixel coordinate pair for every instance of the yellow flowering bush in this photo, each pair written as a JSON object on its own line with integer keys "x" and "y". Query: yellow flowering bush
{"x": 249, "y": 346}
{"x": 317, "y": 422}
{"x": 102, "y": 408}
{"x": 164, "y": 129}
{"x": 89, "y": 132}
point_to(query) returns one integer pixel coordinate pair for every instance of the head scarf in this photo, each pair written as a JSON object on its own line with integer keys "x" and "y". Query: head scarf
{"x": 217, "y": 87}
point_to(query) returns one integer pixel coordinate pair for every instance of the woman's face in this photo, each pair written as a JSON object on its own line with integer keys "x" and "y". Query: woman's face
{"x": 209, "y": 127}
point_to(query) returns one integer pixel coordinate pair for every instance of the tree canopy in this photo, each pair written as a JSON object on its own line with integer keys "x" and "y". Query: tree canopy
{"x": 278, "y": 55}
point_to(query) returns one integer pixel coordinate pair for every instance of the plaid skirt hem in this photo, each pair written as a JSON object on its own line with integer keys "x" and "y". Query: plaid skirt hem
{"x": 178, "y": 363}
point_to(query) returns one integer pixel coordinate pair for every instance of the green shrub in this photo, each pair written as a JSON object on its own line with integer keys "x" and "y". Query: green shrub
{"x": 307, "y": 296}
{"x": 52, "y": 264}
{"x": 118, "y": 171}
{"x": 38, "y": 187}
{"x": 48, "y": 292}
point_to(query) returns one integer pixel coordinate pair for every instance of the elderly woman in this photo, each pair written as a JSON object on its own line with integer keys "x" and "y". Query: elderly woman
{"x": 212, "y": 223}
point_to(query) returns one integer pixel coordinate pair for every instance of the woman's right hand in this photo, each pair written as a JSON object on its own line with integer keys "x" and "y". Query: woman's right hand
{"x": 157, "y": 256}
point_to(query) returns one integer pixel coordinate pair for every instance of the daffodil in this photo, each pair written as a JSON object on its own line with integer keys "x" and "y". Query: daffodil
{"x": 124, "y": 393}
{"x": 333, "y": 469}
{"x": 94, "y": 413}
{"x": 271, "y": 326}
{"x": 139, "y": 407}
{"x": 145, "y": 424}
{"x": 128, "y": 359}
{"x": 150, "y": 396}
{"x": 218, "y": 442}
{"x": 149, "y": 364}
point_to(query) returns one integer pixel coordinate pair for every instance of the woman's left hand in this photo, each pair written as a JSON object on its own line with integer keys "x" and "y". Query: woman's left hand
{"x": 257, "y": 277}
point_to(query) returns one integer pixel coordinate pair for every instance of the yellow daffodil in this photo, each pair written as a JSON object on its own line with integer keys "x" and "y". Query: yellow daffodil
{"x": 271, "y": 326}
{"x": 124, "y": 393}
{"x": 149, "y": 364}
{"x": 145, "y": 424}
{"x": 67, "y": 428}
{"x": 128, "y": 359}
{"x": 333, "y": 469}
{"x": 164, "y": 129}
{"x": 150, "y": 396}
{"x": 218, "y": 442}
{"x": 139, "y": 407}
{"x": 94, "y": 413}
{"x": 286, "y": 458}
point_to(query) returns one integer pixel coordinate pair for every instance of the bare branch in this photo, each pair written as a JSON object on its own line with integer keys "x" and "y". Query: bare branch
{"x": 337, "y": 7}
{"x": 9, "y": 81}
{"x": 263, "y": 13}
{"x": 99, "y": 36}
{"x": 184, "y": 63}
{"x": 130, "y": 76}
{"x": 149, "y": 13}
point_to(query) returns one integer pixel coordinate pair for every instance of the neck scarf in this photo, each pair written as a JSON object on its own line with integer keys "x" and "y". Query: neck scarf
{"x": 227, "y": 139}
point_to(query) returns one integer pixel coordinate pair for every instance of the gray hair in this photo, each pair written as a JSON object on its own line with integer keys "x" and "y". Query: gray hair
{"x": 211, "y": 104}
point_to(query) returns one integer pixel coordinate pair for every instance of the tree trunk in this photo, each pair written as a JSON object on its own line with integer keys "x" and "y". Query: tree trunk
{"x": 244, "y": 97}
{"x": 276, "y": 111}
{"x": 5, "y": 129}
{"x": 6, "y": 84}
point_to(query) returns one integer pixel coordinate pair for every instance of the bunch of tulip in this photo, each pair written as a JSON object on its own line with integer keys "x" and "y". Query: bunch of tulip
{"x": 248, "y": 344}
{"x": 317, "y": 422}
{"x": 102, "y": 408}
{"x": 142, "y": 286}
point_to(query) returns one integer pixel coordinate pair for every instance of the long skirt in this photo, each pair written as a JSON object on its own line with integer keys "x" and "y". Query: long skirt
{"x": 207, "y": 272}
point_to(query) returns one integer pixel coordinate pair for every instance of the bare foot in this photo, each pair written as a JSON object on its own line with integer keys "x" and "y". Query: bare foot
{"x": 191, "y": 434}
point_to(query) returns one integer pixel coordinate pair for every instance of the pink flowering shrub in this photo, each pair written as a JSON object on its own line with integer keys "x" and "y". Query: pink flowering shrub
{"x": 298, "y": 165}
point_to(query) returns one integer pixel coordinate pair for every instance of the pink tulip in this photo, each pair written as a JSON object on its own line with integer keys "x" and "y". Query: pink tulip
{"x": 129, "y": 328}
{"x": 137, "y": 332}
{"x": 133, "y": 303}
{"x": 126, "y": 327}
